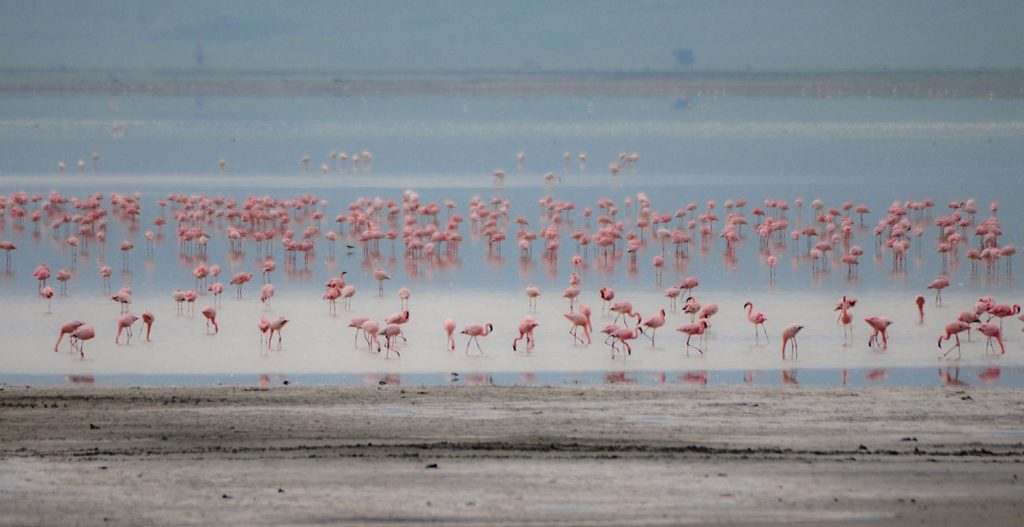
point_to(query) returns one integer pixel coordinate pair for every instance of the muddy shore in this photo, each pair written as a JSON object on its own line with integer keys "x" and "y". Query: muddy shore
{"x": 598, "y": 455}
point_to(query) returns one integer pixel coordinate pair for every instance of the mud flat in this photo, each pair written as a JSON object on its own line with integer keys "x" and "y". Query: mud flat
{"x": 597, "y": 455}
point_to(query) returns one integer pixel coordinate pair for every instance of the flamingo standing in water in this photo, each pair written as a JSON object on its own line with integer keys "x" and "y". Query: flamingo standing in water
{"x": 789, "y": 336}
{"x": 47, "y": 293}
{"x": 277, "y": 325}
{"x": 532, "y": 292}
{"x": 992, "y": 331}
{"x": 526, "y": 328}
{"x": 125, "y": 324}
{"x": 624, "y": 334}
{"x": 148, "y": 319}
{"x": 380, "y": 275}
{"x": 691, "y": 307}
{"x": 571, "y": 293}
{"x": 938, "y": 285}
{"x": 757, "y": 319}
{"x": 654, "y": 322}
{"x": 79, "y": 336}
{"x": 692, "y": 329}
{"x": 953, "y": 330}
{"x": 371, "y": 331}
{"x": 580, "y": 319}
{"x": 403, "y": 294}
{"x": 210, "y": 313}
{"x": 68, "y": 328}
{"x": 475, "y": 331}
{"x": 607, "y": 295}
{"x": 449, "y": 328}
{"x": 880, "y": 326}
{"x": 919, "y": 300}
{"x": 624, "y": 309}
{"x": 391, "y": 332}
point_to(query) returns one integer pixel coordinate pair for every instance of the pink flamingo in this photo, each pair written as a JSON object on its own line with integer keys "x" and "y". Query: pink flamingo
{"x": 190, "y": 299}
{"x": 654, "y": 322}
{"x": 757, "y": 319}
{"x": 277, "y": 325}
{"x": 691, "y": 307}
{"x": 331, "y": 295}
{"x": 672, "y": 294}
{"x": 398, "y": 318}
{"x": 692, "y": 329}
{"x": 845, "y": 318}
{"x": 68, "y": 328}
{"x": 357, "y": 323}
{"x": 571, "y": 293}
{"x": 47, "y": 293}
{"x": 919, "y": 300}
{"x": 239, "y": 280}
{"x": 526, "y": 328}
{"x": 880, "y": 327}
{"x": 789, "y": 336}
{"x": 580, "y": 319}
{"x": 210, "y": 313}
{"x": 347, "y": 293}
{"x": 380, "y": 275}
{"x": 623, "y": 335}
{"x": 532, "y": 292}
{"x": 992, "y": 331}
{"x": 658, "y": 262}
{"x": 179, "y": 297}
{"x": 105, "y": 273}
{"x": 607, "y": 295}
{"x": 689, "y": 283}
{"x": 41, "y": 273}
{"x": 148, "y": 319}
{"x": 371, "y": 331}
{"x": 953, "y": 330}
{"x": 391, "y": 332}
{"x": 449, "y": 328}
{"x": 475, "y": 331}
{"x": 124, "y": 298}
{"x": 403, "y": 294}
{"x": 624, "y": 309}
{"x": 79, "y": 336}
{"x": 938, "y": 285}
{"x": 264, "y": 327}
{"x": 217, "y": 289}
{"x": 266, "y": 293}
{"x": 1002, "y": 311}
{"x": 125, "y": 324}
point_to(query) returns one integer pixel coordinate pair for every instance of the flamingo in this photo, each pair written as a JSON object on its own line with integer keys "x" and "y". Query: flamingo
{"x": 624, "y": 309}
{"x": 938, "y": 285}
{"x": 68, "y": 328}
{"x": 692, "y": 329}
{"x": 607, "y": 295}
{"x": 992, "y": 331}
{"x": 789, "y": 336}
{"x": 689, "y": 283}
{"x": 449, "y": 328}
{"x": 79, "y": 335}
{"x": 391, "y": 332}
{"x": 475, "y": 331}
{"x": 371, "y": 330}
{"x": 532, "y": 292}
{"x": 624, "y": 334}
{"x": 1002, "y": 311}
{"x": 654, "y": 322}
{"x": 757, "y": 319}
{"x": 148, "y": 319}
{"x": 571, "y": 293}
{"x": 210, "y": 313}
{"x": 919, "y": 300}
{"x": 845, "y": 318}
{"x": 580, "y": 319}
{"x": 125, "y": 324}
{"x": 47, "y": 293}
{"x": 880, "y": 326}
{"x": 403, "y": 294}
{"x": 380, "y": 275}
{"x": 277, "y": 325}
{"x": 266, "y": 293}
{"x": 953, "y": 330}
{"x": 526, "y": 328}
{"x": 691, "y": 307}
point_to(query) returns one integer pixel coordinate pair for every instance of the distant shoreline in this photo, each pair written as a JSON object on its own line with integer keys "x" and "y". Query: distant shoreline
{"x": 625, "y": 84}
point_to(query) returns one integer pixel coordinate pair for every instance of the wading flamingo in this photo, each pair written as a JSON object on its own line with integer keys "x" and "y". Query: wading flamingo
{"x": 789, "y": 336}
{"x": 475, "y": 331}
{"x": 757, "y": 319}
{"x": 526, "y": 328}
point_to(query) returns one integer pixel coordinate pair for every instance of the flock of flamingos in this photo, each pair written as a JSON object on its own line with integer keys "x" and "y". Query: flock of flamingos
{"x": 301, "y": 228}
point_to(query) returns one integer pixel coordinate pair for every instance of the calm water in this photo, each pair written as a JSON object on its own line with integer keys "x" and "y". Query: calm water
{"x": 870, "y": 151}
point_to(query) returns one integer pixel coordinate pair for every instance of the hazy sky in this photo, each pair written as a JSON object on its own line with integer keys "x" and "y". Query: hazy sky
{"x": 760, "y": 35}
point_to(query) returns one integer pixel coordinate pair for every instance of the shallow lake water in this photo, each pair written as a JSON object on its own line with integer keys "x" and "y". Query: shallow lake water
{"x": 868, "y": 151}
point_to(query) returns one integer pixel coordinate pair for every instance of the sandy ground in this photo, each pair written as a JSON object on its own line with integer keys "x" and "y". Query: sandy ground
{"x": 599, "y": 455}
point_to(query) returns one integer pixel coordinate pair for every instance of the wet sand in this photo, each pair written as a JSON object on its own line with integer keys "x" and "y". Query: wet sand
{"x": 390, "y": 455}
